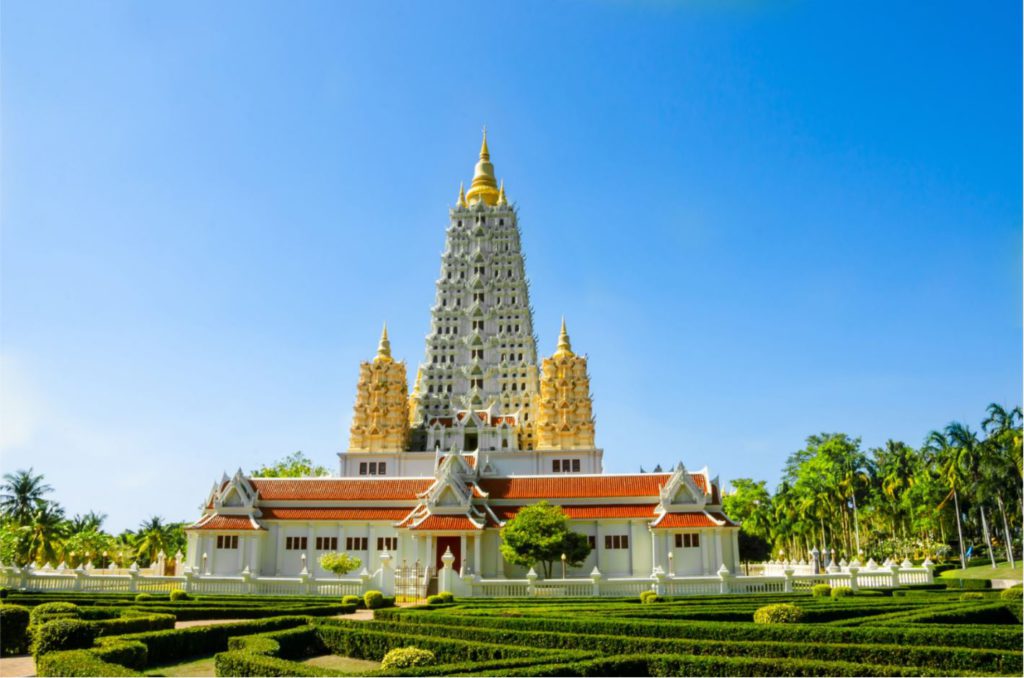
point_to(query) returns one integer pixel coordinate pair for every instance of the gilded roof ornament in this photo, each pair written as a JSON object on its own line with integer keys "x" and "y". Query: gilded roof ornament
{"x": 564, "y": 346}
{"x": 502, "y": 200}
{"x": 462, "y": 195}
{"x": 384, "y": 347}
{"x": 484, "y": 187}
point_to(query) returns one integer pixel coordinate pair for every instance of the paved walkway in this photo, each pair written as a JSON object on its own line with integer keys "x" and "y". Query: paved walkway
{"x": 20, "y": 665}
{"x": 206, "y": 622}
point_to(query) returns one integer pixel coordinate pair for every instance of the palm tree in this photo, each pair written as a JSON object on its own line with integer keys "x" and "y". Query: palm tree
{"x": 46, "y": 531}
{"x": 1003, "y": 443}
{"x": 896, "y": 466}
{"x": 946, "y": 457}
{"x": 969, "y": 455}
{"x": 22, "y": 494}
{"x": 90, "y": 522}
{"x": 152, "y": 538}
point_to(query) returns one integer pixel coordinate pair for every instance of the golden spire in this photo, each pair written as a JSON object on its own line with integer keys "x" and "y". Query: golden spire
{"x": 484, "y": 186}
{"x": 384, "y": 347}
{"x": 462, "y": 195}
{"x": 502, "y": 200}
{"x": 564, "y": 347}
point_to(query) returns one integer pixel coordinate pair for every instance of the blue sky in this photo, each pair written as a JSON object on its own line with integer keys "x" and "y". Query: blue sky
{"x": 760, "y": 222}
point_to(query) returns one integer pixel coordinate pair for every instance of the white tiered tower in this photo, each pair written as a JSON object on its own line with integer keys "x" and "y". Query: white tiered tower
{"x": 478, "y": 387}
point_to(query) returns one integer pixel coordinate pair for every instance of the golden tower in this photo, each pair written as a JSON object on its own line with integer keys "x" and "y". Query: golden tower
{"x": 380, "y": 422}
{"x": 564, "y": 411}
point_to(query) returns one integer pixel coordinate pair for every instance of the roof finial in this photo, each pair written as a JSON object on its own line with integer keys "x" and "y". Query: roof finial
{"x": 502, "y": 200}
{"x": 484, "y": 187}
{"x": 384, "y": 347}
{"x": 564, "y": 346}
{"x": 462, "y": 195}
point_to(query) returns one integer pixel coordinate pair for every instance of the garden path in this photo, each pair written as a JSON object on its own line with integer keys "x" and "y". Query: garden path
{"x": 20, "y": 665}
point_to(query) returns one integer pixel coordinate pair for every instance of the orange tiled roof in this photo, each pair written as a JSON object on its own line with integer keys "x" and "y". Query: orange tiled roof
{"x": 725, "y": 519}
{"x": 374, "y": 513}
{"x": 589, "y": 512}
{"x": 557, "y": 487}
{"x": 446, "y": 523}
{"x": 216, "y": 522}
{"x": 351, "y": 489}
{"x": 688, "y": 519}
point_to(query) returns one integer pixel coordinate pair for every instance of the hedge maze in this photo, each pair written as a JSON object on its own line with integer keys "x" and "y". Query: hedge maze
{"x": 923, "y": 632}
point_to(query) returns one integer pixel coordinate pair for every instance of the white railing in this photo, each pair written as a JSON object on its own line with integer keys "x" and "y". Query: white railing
{"x": 467, "y": 584}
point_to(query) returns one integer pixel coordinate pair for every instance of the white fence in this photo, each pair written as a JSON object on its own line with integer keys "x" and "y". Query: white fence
{"x": 467, "y": 584}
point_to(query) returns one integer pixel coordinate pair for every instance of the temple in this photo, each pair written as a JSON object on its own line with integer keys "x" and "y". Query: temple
{"x": 487, "y": 429}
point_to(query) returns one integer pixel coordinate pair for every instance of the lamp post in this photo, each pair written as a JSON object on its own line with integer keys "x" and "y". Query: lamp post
{"x": 563, "y": 566}
{"x": 671, "y": 566}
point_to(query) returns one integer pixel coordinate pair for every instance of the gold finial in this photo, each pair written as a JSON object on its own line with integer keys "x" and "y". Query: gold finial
{"x": 564, "y": 347}
{"x": 502, "y": 200}
{"x": 384, "y": 347}
{"x": 484, "y": 153}
{"x": 462, "y": 195}
{"x": 484, "y": 187}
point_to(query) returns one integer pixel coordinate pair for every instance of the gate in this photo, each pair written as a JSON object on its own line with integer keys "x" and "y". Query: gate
{"x": 410, "y": 583}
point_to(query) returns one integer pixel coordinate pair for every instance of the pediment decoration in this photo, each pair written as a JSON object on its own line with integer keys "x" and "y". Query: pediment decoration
{"x": 680, "y": 490}
{"x": 235, "y": 493}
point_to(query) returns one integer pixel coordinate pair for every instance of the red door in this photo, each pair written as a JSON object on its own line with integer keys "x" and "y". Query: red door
{"x": 453, "y": 543}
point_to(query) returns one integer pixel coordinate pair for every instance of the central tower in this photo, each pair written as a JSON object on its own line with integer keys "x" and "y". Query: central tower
{"x": 478, "y": 382}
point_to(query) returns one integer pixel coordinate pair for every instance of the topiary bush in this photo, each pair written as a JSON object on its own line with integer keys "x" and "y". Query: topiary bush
{"x": 49, "y": 611}
{"x": 14, "y": 621}
{"x": 446, "y": 596}
{"x": 841, "y": 592}
{"x": 1012, "y": 593}
{"x": 972, "y": 595}
{"x": 780, "y": 613}
{"x": 373, "y": 600}
{"x": 647, "y": 596}
{"x": 406, "y": 658}
{"x": 352, "y": 600}
{"x": 143, "y": 597}
{"x": 177, "y": 594}
{"x": 62, "y": 634}
{"x": 821, "y": 591}
{"x": 435, "y": 600}
{"x": 3, "y": 592}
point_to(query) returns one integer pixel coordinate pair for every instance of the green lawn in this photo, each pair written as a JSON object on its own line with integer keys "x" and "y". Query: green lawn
{"x": 194, "y": 667}
{"x": 338, "y": 663}
{"x": 1001, "y": 571}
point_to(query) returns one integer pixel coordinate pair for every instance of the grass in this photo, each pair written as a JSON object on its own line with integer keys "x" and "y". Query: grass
{"x": 1001, "y": 571}
{"x": 193, "y": 667}
{"x": 338, "y": 663}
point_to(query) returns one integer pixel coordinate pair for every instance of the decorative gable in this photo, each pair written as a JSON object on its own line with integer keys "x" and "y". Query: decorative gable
{"x": 236, "y": 495}
{"x": 681, "y": 491}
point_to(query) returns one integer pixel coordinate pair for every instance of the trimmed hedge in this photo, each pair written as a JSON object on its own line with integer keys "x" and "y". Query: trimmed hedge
{"x": 49, "y": 611}
{"x": 178, "y": 594}
{"x": 373, "y": 600}
{"x": 353, "y": 639}
{"x": 968, "y": 584}
{"x": 132, "y": 654}
{"x": 446, "y": 596}
{"x": 62, "y": 634}
{"x": 821, "y": 590}
{"x": 134, "y": 624}
{"x": 841, "y": 592}
{"x": 79, "y": 663}
{"x": 14, "y": 621}
{"x": 1012, "y": 593}
{"x": 780, "y": 613}
{"x": 407, "y": 658}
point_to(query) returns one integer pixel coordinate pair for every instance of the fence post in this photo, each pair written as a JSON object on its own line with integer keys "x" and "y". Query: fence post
{"x": 387, "y": 574}
{"x": 659, "y": 581}
{"x": 595, "y": 577}
{"x": 531, "y": 581}
{"x": 788, "y": 573}
{"x": 23, "y": 578}
{"x": 247, "y": 580}
{"x": 444, "y": 578}
{"x": 189, "y": 576}
{"x": 364, "y": 580}
{"x": 853, "y": 577}
{"x": 723, "y": 574}
{"x": 928, "y": 565}
{"x": 895, "y": 570}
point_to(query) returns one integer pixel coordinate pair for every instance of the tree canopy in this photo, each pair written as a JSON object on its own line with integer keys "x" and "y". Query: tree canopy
{"x": 540, "y": 534}
{"x": 295, "y": 465}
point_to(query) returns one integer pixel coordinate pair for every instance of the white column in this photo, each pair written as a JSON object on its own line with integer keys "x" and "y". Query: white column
{"x": 310, "y": 543}
{"x": 735, "y": 551}
{"x": 718, "y": 550}
{"x": 243, "y": 545}
{"x": 705, "y": 551}
{"x": 279, "y": 554}
{"x": 257, "y": 562}
{"x": 655, "y": 561}
{"x": 600, "y": 545}
{"x": 371, "y": 549}
{"x": 429, "y": 560}
{"x": 212, "y": 551}
{"x": 478, "y": 563}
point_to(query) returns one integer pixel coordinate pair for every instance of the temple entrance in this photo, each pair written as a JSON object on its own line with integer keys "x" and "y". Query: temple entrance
{"x": 453, "y": 543}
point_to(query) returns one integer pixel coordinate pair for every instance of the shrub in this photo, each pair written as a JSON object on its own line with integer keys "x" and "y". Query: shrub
{"x": 50, "y": 611}
{"x": 435, "y": 600}
{"x": 446, "y": 596}
{"x": 3, "y": 592}
{"x": 177, "y": 644}
{"x": 406, "y": 658}
{"x": 339, "y": 563}
{"x": 821, "y": 590}
{"x": 968, "y": 584}
{"x": 143, "y": 597}
{"x": 130, "y": 653}
{"x": 78, "y": 663}
{"x": 373, "y": 600}
{"x": 351, "y": 600}
{"x": 653, "y": 598}
{"x": 972, "y": 595}
{"x": 178, "y": 594}
{"x": 62, "y": 634}
{"x": 780, "y": 613}
{"x": 1013, "y": 593}
{"x": 14, "y": 629}
{"x": 841, "y": 592}
{"x": 645, "y": 596}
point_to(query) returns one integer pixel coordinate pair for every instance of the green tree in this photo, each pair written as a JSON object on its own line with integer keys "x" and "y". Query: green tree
{"x": 750, "y": 504}
{"x": 295, "y": 465}
{"x": 22, "y": 492}
{"x": 46, "y": 533}
{"x": 540, "y": 534}
{"x": 93, "y": 546}
{"x": 945, "y": 455}
{"x": 339, "y": 563}
{"x": 152, "y": 537}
